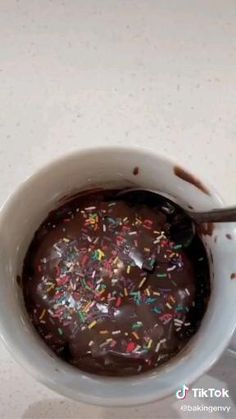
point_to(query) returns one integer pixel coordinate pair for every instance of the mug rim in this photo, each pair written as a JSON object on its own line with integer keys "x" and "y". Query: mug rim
{"x": 44, "y": 168}
{"x": 42, "y": 172}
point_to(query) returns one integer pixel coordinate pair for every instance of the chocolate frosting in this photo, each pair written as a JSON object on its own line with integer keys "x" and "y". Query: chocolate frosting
{"x": 108, "y": 288}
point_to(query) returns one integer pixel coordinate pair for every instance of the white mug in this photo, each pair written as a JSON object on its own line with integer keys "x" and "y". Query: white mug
{"x": 113, "y": 167}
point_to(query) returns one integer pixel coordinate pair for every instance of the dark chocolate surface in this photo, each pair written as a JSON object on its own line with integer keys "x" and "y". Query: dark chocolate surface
{"x": 106, "y": 286}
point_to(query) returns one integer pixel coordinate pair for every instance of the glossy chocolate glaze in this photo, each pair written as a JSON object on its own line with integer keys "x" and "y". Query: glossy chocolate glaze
{"x": 108, "y": 289}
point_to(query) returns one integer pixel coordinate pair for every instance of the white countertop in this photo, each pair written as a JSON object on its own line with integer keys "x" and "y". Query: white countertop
{"x": 156, "y": 73}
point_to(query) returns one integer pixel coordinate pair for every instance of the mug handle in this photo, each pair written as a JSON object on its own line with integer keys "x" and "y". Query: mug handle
{"x": 232, "y": 345}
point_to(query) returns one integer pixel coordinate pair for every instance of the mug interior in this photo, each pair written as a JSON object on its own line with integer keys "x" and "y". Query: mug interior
{"x": 111, "y": 167}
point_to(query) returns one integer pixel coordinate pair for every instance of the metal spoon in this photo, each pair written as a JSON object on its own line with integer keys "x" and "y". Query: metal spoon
{"x": 217, "y": 215}
{"x": 183, "y": 226}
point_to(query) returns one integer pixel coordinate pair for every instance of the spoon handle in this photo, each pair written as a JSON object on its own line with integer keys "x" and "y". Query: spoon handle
{"x": 221, "y": 215}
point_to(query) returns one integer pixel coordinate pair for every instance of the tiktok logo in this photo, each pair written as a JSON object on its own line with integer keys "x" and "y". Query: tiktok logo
{"x": 202, "y": 393}
{"x": 182, "y": 392}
